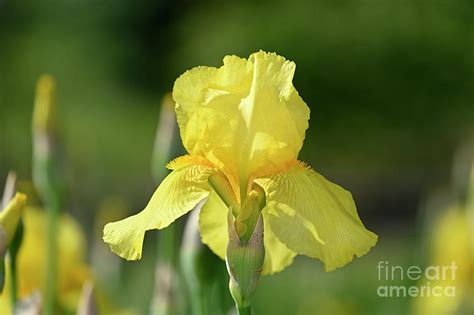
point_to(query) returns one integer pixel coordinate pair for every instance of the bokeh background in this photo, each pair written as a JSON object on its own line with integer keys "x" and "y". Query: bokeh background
{"x": 390, "y": 85}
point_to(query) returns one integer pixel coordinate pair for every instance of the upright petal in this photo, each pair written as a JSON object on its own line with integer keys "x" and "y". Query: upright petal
{"x": 214, "y": 233}
{"x": 275, "y": 116}
{"x": 179, "y": 193}
{"x": 315, "y": 217}
{"x": 246, "y": 117}
{"x": 189, "y": 89}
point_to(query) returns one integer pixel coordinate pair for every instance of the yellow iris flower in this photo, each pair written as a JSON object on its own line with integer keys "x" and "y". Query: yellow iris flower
{"x": 246, "y": 123}
{"x": 452, "y": 244}
{"x": 451, "y": 241}
{"x": 32, "y": 260}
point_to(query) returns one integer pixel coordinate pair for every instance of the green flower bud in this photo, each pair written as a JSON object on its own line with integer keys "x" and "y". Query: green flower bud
{"x": 244, "y": 263}
{"x": 44, "y": 110}
{"x": 10, "y": 216}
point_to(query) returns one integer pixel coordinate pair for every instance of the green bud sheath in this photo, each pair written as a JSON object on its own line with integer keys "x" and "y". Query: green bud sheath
{"x": 244, "y": 263}
{"x": 47, "y": 176}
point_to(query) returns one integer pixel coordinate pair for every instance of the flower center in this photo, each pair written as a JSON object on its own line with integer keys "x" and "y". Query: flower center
{"x": 245, "y": 214}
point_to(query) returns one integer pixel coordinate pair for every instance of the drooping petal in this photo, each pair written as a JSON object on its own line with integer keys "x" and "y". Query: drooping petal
{"x": 213, "y": 225}
{"x": 315, "y": 217}
{"x": 277, "y": 255}
{"x": 214, "y": 233}
{"x": 178, "y": 194}
{"x": 251, "y": 105}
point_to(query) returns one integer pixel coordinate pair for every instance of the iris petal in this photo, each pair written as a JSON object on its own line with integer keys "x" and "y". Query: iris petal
{"x": 315, "y": 217}
{"x": 178, "y": 194}
{"x": 277, "y": 255}
{"x": 213, "y": 225}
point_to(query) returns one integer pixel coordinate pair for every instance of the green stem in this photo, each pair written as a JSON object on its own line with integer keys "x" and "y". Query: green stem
{"x": 52, "y": 254}
{"x": 47, "y": 177}
{"x": 165, "y": 147}
{"x": 13, "y": 254}
{"x": 199, "y": 302}
{"x": 13, "y": 284}
{"x": 243, "y": 310}
{"x": 162, "y": 300}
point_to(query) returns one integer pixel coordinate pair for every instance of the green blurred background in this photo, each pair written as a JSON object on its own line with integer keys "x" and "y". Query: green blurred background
{"x": 390, "y": 85}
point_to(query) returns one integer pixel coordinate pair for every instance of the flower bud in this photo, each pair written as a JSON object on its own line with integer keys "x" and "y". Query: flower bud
{"x": 44, "y": 109}
{"x": 10, "y": 216}
{"x": 222, "y": 187}
{"x": 249, "y": 213}
{"x": 244, "y": 263}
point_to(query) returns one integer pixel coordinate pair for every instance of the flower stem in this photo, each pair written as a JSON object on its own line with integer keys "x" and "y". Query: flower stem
{"x": 163, "y": 300}
{"x": 13, "y": 252}
{"x": 47, "y": 177}
{"x": 166, "y": 275}
{"x": 243, "y": 310}
{"x": 13, "y": 284}
{"x": 52, "y": 253}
